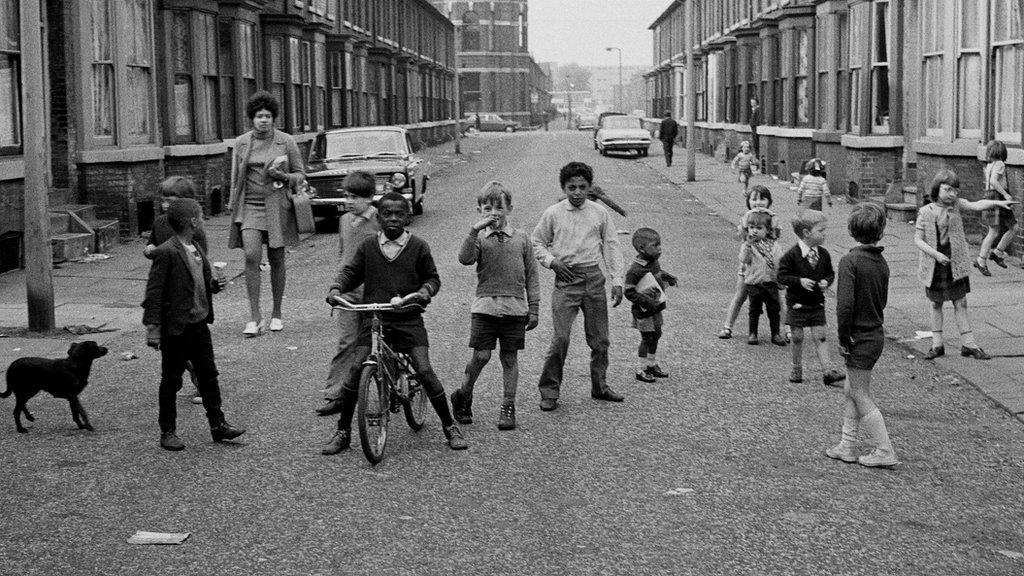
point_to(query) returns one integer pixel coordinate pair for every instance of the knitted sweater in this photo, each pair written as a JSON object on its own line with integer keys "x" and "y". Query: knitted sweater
{"x": 811, "y": 188}
{"x": 643, "y": 305}
{"x": 862, "y": 291}
{"x": 793, "y": 266}
{"x": 382, "y": 279}
{"x": 503, "y": 267}
{"x": 761, "y": 260}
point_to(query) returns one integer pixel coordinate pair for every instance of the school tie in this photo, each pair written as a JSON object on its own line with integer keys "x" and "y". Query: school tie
{"x": 812, "y": 257}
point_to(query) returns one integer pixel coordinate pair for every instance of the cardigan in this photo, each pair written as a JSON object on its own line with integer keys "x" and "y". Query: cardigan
{"x": 282, "y": 229}
{"x": 927, "y": 219}
{"x": 793, "y": 266}
{"x": 758, "y": 269}
{"x": 643, "y": 305}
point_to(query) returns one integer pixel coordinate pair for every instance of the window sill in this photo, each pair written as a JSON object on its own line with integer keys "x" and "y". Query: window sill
{"x": 828, "y": 136}
{"x": 945, "y": 148}
{"x": 212, "y": 149}
{"x": 876, "y": 141}
{"x": 12, "y": 168}
{"x": 146, "y": 154}
{"x": 784, "y": 132}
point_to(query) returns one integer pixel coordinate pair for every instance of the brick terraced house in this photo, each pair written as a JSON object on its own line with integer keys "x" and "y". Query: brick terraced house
{"x": 137, "y": 90}
{"x": 886, "y": 91}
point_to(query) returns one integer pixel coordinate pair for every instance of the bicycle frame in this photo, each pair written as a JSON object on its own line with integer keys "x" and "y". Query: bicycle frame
{"x": 381, "y": 354}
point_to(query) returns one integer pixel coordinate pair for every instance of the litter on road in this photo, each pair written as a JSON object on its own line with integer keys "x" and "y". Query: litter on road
{"x": 141, "y": 537}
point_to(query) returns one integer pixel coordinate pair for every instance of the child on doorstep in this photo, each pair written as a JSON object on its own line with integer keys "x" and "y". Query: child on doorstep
{"x": 647, "y": 303}
{"x": 861, "y": 295}
{"x": 358, "y": 223}
{"x": 806, "y": 271}
{"x": 1002, "y": 224}
{"x": 760, "y": 257}
{"x": 392, "y": 263}
{"x": 507, "y": 300}
{"x": 758, "y": 199}
{"x": 813, "y": 186}
{"x": 177, "y": 313}
{"x": 744, "y": 163}
{"x": 943, "y": 265}
{"x": 170, "y": 190}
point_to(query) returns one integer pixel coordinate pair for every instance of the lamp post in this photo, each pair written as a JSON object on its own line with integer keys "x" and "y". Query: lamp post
{"x": 568, "y": 123}
{"x": 622, "y": 107}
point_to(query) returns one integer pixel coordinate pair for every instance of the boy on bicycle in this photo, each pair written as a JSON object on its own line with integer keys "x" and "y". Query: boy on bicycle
{"x": 393, "y": 263}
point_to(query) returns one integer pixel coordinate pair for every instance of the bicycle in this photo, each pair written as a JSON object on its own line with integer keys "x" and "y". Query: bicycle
{"x": 387, "y": 383}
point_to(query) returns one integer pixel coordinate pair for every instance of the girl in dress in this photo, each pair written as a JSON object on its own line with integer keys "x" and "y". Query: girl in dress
{"x": 1001, "y": 222}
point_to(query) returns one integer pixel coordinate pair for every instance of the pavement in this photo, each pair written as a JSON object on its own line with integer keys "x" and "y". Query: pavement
{"x": 996, "y": 303}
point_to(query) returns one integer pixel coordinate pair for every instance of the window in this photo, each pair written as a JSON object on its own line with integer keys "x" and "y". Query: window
{"x": 320, "y": 63}
{"x": 1007, "y": 70}
{"x": 470, "y": 31}
{"x": 701, "y": 90}
{"x": 932, "y": 35}
{"x": 206, "y": 62}
{"x": 102, "y": 72}
{"x": 825, "y": 57}
{"x": 969, "y": 70}
{"x": 349, "y": 91}
{"x": 181, "y": 67}
{"x": 228, "y": 101}
{"x": 10, "y": 78}
{"x": 842, "y": 104}
{"x": 247, "y": 56}
{"x": 275, "y": 64}
{"x": 195, "y": 95}
{"x": 802, "y": 99}
{"x": 753, "y": 79}
{"x": 858, "y": 20}
{"x": 337, "y": 89}
{"x": 295, "y": 104}
{"x": 880, "y": 67}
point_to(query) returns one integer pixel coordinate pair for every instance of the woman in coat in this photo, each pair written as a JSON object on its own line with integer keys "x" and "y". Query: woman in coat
{"x": 261, "y": 206}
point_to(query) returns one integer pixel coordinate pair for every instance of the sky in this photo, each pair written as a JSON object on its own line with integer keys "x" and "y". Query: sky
{"x": 578, "y": 31}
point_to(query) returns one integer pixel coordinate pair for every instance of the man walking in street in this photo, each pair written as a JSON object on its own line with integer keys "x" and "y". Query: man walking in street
{"x": 755, "y": 121}
{"x": 668, "y": 133}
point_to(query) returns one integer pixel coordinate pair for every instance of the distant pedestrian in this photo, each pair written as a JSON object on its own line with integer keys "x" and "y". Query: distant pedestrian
{"x": 645, "y": 287}
{"x": 806, "y": 272}
{"x": 743, "y": 163}
{"x": 1002, "y": 224}
{"x": 755, "y": 121}
{"x": 943, "y": 265}
{"x": 813, "y": 186}
{"x": 667, "y": 133}
{"x": 178, "y": 310}
{"x": 507, "y": 300}
{"x": 862, "y": 291}
{"x": 759, "y": 199}
{"x": 573, "y": 238}
{"x": 172, "y": 189}
{"x": 760, "y": 255}
{"x": 358, "y": 223}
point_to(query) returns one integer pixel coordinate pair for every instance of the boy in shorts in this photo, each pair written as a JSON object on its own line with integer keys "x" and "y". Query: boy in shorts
{"x": 392, "y": 263}
{"x": 506, "y": 270}
{"x": 861, "y": 295}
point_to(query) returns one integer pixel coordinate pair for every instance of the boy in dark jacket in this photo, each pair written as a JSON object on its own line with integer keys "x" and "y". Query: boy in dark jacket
{"x": 392, "y": 263}
{"x": 806, "y": 271}
{"x": 646, "y": 295}
{"x": 178, "y": 312}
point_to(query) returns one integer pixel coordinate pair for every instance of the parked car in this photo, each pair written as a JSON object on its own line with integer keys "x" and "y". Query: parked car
{"x": 492, "y": 123}
{"x": 600, "y": 120}
{"x": 387, "y": 152}
{"x": 586, "y": 121}
{"x": 618, "y": 133}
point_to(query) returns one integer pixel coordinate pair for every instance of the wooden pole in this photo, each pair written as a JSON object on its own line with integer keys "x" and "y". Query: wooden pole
{"x": 458, "y": 90}
{"x": 691, "y": 96}
{"x": 38, "y": 254}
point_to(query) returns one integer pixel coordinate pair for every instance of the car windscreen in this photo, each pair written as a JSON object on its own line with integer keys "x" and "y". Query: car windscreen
{"x": 621, "y": 122}
{"x": 362, "y": 143}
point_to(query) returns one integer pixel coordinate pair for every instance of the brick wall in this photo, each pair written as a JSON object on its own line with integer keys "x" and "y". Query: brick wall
{"x": 835, "y": 157}
{"x": 872, "y": 170}
{"x": 12, "y": 205}
{"x": 116, "y": 188}
{"x": 207, "y": 172}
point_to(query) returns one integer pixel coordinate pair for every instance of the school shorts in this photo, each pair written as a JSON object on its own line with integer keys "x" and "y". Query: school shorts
{"x": 402, "y": 335}
{"x": 865, "y": 349}
{"x": 805, "y": 317}
{"x": 487, "y": 330}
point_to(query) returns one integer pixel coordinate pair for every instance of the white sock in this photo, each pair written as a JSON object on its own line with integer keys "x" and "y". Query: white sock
{"x": 652, "y": 359}
{"x": 641, "y": 364}
{"x": 849, "y": 438}
{"x": 874, "y": 429}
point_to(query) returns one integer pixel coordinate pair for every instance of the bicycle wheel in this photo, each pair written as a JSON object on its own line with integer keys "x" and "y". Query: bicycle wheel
{"x": 416, "y": 406}
{"x": 372, "y": 413}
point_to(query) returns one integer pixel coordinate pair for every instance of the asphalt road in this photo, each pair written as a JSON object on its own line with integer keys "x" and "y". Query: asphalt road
{"x": 716, "y": 470}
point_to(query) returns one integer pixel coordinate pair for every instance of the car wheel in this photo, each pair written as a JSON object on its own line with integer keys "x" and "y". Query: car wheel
{"x": 604, "y": 152}
{"x": 510, "y": 128}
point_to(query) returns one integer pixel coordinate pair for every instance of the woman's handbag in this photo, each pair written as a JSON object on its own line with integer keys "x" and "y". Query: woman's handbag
{"x": 303, "y": 209}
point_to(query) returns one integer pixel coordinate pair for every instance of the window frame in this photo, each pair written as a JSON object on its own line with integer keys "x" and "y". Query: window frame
{"x": 965, "y": 84}
{"x": 879, "y": 69}
{"x": 13, "y": 53}
{"x": 996, "y": 49}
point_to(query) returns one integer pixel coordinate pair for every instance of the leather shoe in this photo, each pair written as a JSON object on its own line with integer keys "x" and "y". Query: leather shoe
{"x": 976, "y": 353}
{"x": 170, "y": 441}
{"x": 338, "y": 442}
{"x": 548, "y": 404}
{"x": 225, "y": 431}
{"x": 934, "y": 352}
{"x": 982, "y": 268}
{"x": 456, "y": 441}
{"x": 608, "y": 395}
{"x": 999, "y": 260}
{"x": 329, "y": 407}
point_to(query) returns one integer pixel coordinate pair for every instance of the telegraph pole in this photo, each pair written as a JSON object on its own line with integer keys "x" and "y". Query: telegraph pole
{"x": 38, "y": 254}
{"x": 691, "y": 97}
{"x": 457, "y": 89}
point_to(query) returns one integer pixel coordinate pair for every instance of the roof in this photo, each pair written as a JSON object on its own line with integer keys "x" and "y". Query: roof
{"x": 673, "y": 4}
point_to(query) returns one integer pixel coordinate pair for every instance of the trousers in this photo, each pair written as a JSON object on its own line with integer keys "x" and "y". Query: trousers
{"x": 192, "y": 345}
{"x": 764, "y": 295}
{"x": 586, "y": 293}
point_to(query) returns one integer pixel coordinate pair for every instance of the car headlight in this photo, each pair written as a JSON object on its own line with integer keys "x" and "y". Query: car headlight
{"x": 398, "y": 180}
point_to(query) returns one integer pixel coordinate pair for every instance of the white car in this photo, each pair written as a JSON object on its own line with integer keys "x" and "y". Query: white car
{"x": 623, "y": 133}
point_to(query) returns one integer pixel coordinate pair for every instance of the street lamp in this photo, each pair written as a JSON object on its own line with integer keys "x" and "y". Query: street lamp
{"x": 622, "y": 107}
{"x": 568, "y": 124}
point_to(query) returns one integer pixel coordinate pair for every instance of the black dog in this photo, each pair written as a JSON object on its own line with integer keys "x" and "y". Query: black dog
{"x": 64, "y": 378}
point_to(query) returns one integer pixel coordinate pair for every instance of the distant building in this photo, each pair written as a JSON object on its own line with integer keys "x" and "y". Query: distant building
{"x": 137, "y": 90}
{"x": 604, "y": 86}
{"x": 496, "y": 71}
{"x": 886, "y": 91}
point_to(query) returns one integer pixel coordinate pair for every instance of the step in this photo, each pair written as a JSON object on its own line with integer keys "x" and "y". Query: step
{"x": 107, "y": 234}
{"x": 902, "y": 211}
{"x": 58, "y": 222}
{"x": 910, "y": 195}
{"x": 86, "y": 212}
{"x": 71, "y": 245}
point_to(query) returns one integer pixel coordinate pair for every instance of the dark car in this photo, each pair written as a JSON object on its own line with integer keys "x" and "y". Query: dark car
{"x": 491, "y": 123}
{"x": 384, "y": 151}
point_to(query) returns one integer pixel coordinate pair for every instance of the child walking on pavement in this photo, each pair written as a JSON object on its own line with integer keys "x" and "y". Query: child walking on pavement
{"x": 358, "y": 223}
{"x": 645, "y": 288}
{"x": 760, "y": 257}
{"x": 861, "y": 295}
{"x": 758, "y": 199}
{"x": 507, "y": 300}
{"x": 178, "y": 311}
{"x": 813, "y": 187}
{"x": 572, "y": 238}
{"x": 806, "y": 270}
{"x": 744, "y": 163}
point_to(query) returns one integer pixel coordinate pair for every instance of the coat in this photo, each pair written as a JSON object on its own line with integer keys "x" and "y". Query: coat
{"x": 959, "y": 260}
{"x": 282, "y": 229}
{"x": 170, "y": 290}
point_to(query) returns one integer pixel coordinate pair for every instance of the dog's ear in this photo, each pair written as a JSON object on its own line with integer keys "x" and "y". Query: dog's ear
{"x": 73, "y": 348}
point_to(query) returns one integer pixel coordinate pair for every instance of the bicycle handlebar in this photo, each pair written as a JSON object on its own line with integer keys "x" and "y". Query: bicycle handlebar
{"x": 341, "y": 303}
